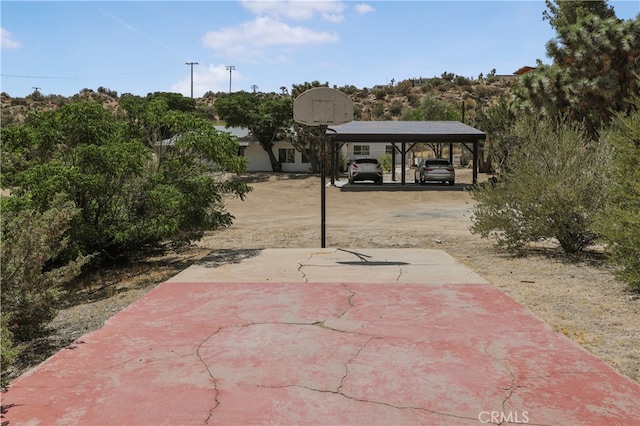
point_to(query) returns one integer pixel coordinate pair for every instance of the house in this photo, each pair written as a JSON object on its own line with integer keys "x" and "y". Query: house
{"x": 292, "y": 160}
{"x": 524, "y": 70}
{"x": 258, "y": 160}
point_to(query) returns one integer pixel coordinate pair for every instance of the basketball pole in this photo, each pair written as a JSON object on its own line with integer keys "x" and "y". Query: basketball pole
{"x": 323, "y": 189}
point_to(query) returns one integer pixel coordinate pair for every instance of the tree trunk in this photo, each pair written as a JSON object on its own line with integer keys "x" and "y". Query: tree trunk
{"x": 276, "y": 166}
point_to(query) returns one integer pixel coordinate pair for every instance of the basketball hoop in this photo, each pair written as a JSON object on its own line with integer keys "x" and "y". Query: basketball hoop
{"x": 321, "y": 107}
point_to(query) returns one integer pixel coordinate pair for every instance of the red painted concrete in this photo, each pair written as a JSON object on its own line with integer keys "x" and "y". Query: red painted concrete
{"x": 270, "y": 353}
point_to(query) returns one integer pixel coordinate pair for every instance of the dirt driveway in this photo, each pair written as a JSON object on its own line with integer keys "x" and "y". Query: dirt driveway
{"x": 580, "y": 299}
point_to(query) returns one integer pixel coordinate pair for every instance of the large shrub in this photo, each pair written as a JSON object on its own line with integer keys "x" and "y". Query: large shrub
{"x": 31, "y": 286}
{"x": 552, "y": 187}
{"x": 620, "y": 221}
{"x": 139, "y": 179}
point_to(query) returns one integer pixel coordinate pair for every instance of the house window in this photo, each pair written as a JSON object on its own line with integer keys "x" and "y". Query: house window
{"x": 306, "y": 155}
{"x": 388, "y": 149}
{"x": 287, "y": 155}
{"x": 361, "y": 150}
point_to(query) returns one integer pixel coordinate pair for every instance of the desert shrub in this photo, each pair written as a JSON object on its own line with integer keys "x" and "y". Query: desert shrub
{"x": 377, "y": 110}
{"x": 414, "y": 100}
{"x": 381, "y": 94}
{"x": 620, "y": 222}
{"x": 465, "y": 158}
{"x": 385, "y": 162}
{"x": 8, "y": 351}
{"x": 396, "y": 108}
{"x": 462, "y": 81}
{"x": 552, "y": 186}
{"x": 404, "y": 87}
{"x": 31, "y": 285}
{"x": 18, "y": 101}
{"x": 357, "y": 111}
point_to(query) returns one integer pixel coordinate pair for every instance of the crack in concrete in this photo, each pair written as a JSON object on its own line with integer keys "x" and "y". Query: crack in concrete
{"x": 346, "y": 364}
{"x": 349, "y": 300}
{"x": 510, "y": 389}
{"x": 368, "y": 401}
{"x": 399, "y": 275}
{"x": 215, "y": 381}
{"x": 302, "y": 265}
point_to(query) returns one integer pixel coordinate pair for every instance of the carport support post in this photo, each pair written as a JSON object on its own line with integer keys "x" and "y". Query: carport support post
{"x": 403, "y": 172}
{"x": 393, "y": 162}
{"x": 333, "y": 163}
{"x": 475, "y": 162}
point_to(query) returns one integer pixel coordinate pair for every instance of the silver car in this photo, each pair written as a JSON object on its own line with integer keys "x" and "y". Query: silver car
{"x": 365, "y": 169}
{"x": 435, "y": 170}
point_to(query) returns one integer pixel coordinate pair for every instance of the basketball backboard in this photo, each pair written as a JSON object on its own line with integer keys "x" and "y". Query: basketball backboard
{"x": 322, "y": 106}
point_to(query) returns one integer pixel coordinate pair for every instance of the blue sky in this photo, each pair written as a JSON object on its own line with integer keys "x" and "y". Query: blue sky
{"x": 141, "y": 47}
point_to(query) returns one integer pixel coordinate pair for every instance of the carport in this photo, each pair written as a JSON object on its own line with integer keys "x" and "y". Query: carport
{"x": 407, "y": 134}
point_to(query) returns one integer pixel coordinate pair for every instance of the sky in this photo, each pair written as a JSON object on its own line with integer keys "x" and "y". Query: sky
{"x": 141, "y": 47}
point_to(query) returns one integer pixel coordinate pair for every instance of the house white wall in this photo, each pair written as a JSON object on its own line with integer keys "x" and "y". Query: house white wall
{"x": 292, "y": 160}
{"x": 374, "y": 150}
{"x": 258, "y": 159}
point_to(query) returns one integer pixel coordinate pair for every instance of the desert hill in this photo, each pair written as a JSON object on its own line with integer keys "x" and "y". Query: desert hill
{"x": 386, "y": 102}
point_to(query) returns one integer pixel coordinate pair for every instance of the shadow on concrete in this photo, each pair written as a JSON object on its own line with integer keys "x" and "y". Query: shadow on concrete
{"x": 373, "y": 263}
{"x": 218, "y": 258}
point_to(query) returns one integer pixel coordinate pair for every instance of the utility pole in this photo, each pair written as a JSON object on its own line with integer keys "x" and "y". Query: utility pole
{"x": 191, "y": 64}
{"x": 230, "y": 68}
{"x": 36, "y": 89}
{"x": 254, "y": 87}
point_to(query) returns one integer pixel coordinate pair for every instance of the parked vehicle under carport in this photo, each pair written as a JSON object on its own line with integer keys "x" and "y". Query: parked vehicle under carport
{"x": 435, "y": 170}
{"x": 362, "y": 169}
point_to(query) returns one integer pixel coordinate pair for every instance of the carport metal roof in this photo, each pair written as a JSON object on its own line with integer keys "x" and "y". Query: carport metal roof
{"x": 410, "y": 132}
{"x": 407, "y": 131}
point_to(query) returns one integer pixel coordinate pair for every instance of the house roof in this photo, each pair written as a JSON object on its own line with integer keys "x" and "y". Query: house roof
{"x": 406, "y": 131}
{"x": 242, "y": 134}
{"x": 524, "y": 70}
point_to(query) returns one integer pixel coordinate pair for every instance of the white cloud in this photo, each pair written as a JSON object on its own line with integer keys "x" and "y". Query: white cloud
{"x": 297, "y": 10}
{"x": 7, "y": 41}
{"x": 250, "y": 39}
{"x": 363, "y": 8}
{"x": 211, "y": 78}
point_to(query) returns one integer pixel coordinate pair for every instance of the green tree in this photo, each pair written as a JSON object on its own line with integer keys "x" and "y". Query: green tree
{"x": 552, "y": 187}
{"x": 620, "y": 221}
{"x": 498, "y": 122}
{"x": 596, "y": 65}
{"x": 266, "y": 115}
{"x": 298, "y": 89}
{"x": 134, "y": 189}
{"x": 432, "y": 109}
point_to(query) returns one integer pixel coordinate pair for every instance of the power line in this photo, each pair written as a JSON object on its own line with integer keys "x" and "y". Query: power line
{"x": 50, "y": 77}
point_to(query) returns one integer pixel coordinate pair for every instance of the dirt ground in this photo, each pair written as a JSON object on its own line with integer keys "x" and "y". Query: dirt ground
{"x": 579, "y": 298}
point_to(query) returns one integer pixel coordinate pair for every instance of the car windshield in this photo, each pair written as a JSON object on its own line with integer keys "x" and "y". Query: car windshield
{"x": 366, "y": 161}
{"x": 436, "y": 163}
